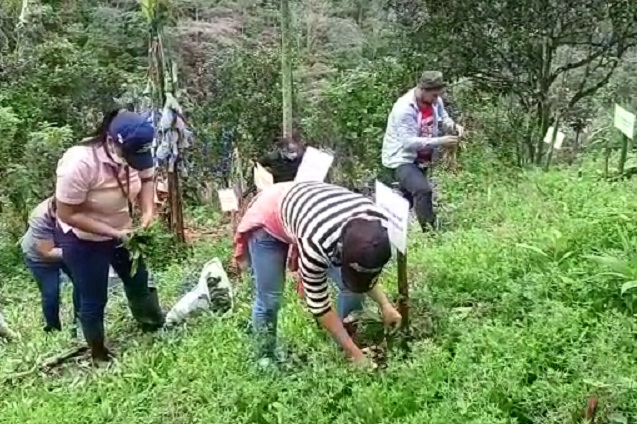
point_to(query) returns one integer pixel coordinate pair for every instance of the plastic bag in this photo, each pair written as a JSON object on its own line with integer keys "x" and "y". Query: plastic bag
{"x": 262, "y": 178}
{"x": 213, "y": 291}
{"x": 5, "y": 331}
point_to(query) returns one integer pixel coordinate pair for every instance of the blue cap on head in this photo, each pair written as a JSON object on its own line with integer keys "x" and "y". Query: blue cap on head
{"x": 134, "y": 134}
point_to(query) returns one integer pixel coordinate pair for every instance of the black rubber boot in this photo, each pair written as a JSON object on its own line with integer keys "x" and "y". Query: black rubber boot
{"x": 146, "y": 311}
{"x": 99, "y": 352}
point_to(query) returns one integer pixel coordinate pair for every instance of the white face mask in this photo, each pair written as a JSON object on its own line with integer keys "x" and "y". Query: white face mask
{"x": 112, "y": 151}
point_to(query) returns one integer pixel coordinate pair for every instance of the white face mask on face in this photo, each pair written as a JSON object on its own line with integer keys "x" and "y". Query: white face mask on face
{"x": 114, "y": 152}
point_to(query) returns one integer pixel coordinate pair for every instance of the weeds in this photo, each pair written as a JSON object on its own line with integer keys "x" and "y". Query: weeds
{"x": 518, "y": 317}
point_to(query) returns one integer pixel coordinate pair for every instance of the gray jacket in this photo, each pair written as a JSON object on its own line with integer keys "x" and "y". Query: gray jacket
{"x": 402, "y": 138}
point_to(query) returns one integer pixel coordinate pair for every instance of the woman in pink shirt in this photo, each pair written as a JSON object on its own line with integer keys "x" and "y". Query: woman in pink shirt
{"x": 97, "y": 184}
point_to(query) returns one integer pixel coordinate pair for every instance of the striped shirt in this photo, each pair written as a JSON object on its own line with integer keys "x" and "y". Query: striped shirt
{"x": 314, "y": 214}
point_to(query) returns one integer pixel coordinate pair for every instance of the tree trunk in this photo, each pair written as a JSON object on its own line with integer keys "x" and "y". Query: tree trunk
{"x": 286, "y": 69}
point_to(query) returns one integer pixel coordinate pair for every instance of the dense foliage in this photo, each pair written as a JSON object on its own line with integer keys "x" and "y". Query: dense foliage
{"x": 519, "y": 306}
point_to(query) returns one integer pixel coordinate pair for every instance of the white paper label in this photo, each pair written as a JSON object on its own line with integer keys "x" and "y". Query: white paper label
{"x": 624, "y": 121}
{"x": 228, "y": 200}
{"x": 397, "y": 210}
{"x": 262, "y": 178}
{"x": 314, "y": 166}
{"x": 559, "y": 138}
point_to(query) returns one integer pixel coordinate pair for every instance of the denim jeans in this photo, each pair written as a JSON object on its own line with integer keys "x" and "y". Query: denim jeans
{"x": 268, "y": 263}
{"x": 89, "y": 263}
{"x": 47, "y": 276}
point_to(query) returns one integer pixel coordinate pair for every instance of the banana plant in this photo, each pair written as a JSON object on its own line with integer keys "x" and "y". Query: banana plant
{"x": 557, "y": 250}
{"x": 623, "y": 269}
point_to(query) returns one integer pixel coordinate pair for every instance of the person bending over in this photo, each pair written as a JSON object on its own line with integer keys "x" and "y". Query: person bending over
{"x": 43, "y": 258}
{"x": 334, "y": 233}
{"x": 97, "y": 185}
{"x": 283, "y": 163}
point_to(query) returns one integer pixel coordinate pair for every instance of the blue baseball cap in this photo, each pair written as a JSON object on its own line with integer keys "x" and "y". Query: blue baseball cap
{"x": 134, "y": 134}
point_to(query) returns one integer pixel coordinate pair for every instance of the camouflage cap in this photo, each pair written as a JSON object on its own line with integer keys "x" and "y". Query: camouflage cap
{"x": 431, "y": 80}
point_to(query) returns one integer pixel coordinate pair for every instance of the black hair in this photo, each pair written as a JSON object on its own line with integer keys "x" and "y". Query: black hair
{"x": 100, "y": 135}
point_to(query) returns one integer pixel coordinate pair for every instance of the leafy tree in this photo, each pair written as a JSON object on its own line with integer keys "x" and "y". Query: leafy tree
{"x": 550, "y": 54}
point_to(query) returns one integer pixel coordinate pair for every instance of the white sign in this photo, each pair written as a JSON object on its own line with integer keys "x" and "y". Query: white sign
{"x": 314, "y": 166}
{"x": 624, "y": 121}
{"x": 559, "y": 138}
{"x": 396, "y": 208}
{"x": 228, "y": 200}
{"x": 262, "y": 178}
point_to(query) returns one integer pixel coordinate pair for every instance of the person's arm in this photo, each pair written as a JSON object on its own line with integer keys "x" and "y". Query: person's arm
{"x": 75, "y": 217}
{"x": 146, "y": 197}
{"x": 46, "y": 248}
{"x": 318, "y": 301}
{"x": 42, "y": 226}
{"x": 267, "y": 161}
{"x": 390, "y": 315}
{"x": 378, "y": 296}
{"x": 72, "y": 186}
{"x": 448, "y": 125}
{"x": 407, "y": 133}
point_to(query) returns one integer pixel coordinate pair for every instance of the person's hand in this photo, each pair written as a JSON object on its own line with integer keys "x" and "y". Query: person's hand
{"x": 459, "y": 130}
{"x": 147, "y": 220}
{"x": 391, "y": 317}
{"x": 56, "y": 254}
{"x": 363, "y": 362}
{"x": 449, "y": 140}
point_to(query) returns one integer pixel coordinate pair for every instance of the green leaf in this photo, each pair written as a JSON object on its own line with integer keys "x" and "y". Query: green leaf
{"x": 628, "y": 285}
{"x": 532, "y": 248}
{"x": 617, "y": 265}
{"x": 617, "y": 418}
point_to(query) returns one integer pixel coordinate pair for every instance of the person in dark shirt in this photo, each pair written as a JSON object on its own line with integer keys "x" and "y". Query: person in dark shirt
{"x": 284, "y": 161}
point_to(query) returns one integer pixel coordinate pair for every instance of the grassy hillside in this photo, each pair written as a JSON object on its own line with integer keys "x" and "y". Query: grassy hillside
{"x": 514, "y": 324}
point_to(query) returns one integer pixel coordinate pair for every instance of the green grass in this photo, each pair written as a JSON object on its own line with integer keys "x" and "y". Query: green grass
{"x": 514, "y": 324}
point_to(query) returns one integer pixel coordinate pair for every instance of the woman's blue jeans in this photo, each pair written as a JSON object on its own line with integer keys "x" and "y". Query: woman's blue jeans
{"x": 89, "y": 263}
{"x": 47, "y": 276}
{"x": 268, "y": 258}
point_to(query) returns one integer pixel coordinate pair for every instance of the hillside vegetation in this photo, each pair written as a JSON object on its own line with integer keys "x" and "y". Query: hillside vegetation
{"x": 523, "y": 307}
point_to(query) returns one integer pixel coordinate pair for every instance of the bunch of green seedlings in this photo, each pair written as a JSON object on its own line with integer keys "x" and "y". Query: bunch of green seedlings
{"x": 156, "y": 246}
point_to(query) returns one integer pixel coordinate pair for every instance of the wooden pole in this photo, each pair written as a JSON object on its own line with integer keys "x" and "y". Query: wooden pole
{"x": 403, "y": 288}
{"x": 286, "y": 69}
{"x": 623, "y": 155}
{"x": 174, "y": 190}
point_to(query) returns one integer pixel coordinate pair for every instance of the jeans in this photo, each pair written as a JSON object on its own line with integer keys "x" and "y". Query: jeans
{"x": 47, "y": 276}
{"x": 414, "y": 181}
{"x": 89, "y": 264}
{"x": 268, "y": 262}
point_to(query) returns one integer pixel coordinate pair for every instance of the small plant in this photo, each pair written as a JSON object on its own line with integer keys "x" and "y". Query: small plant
{"x": 155, "y": 245}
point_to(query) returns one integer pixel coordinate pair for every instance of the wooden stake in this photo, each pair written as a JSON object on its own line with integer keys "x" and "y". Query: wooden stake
{"x": 403, "y": 288}
{"x": 176, "y": 210}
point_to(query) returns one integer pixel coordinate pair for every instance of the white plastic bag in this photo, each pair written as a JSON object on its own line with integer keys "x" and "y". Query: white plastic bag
{"x": 5, "y": 331}
{"x": 213, "y": 289}
{"x": 262, "y": 178}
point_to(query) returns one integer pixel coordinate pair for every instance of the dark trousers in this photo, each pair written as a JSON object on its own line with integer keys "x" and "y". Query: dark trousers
{"x": 413, "y": 180}
{"x": 89, "y": 263}
{"x": 47, "y": 276}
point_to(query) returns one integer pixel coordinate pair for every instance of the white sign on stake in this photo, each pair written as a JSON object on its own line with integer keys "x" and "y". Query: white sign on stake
{"x": 624, "y": 121}
{"x": 314, "y": 166}
{"x": 228, "y": 200}
{"x": 396, "y": 208}
{"x": 559, "y": 138}
{"x": 262, "y": 178}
